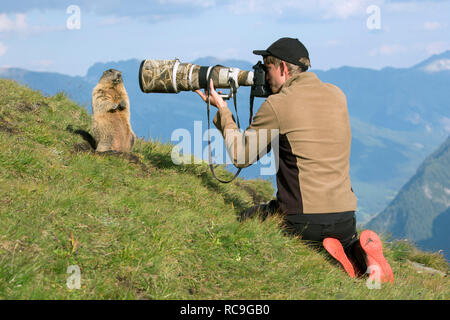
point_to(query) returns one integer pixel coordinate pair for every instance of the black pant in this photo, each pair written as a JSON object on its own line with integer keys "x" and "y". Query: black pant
{"x": 311, "y": 227}
{"x": 315, "y": 227}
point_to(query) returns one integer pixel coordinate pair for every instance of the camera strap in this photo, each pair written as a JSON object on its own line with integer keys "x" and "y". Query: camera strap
{"x": 233, "y": 89}
{"x": 252, "y": 100}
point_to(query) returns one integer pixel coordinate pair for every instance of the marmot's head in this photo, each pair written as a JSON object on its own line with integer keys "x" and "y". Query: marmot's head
{"x": 112, "y": 76}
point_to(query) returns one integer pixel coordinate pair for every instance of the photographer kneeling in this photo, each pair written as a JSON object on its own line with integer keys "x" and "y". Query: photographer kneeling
{"x": 314, "y": 194}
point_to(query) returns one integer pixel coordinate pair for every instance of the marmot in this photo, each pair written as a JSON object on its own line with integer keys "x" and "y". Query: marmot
{"x": 111, "y": 114}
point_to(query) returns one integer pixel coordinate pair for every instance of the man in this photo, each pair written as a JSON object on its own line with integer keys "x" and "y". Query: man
{"x": 314, "y": 193}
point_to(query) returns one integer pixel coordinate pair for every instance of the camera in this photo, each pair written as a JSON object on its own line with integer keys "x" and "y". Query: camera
{"x": 260, "y": 88}
{"x": 172, "y": 76}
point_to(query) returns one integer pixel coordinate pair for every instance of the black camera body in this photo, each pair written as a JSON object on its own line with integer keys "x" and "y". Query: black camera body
{"x": 260, "y": 87}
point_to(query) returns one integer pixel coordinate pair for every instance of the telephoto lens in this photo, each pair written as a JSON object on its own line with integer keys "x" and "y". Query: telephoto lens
{"x": 172, "y": 76}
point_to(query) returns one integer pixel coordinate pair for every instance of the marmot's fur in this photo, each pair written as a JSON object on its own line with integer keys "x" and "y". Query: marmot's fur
{"x": 111, "y": 114}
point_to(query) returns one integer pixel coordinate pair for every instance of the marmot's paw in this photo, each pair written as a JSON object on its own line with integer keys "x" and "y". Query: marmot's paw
{"x": 113, "y": 108}
{"x": 122, "y": 105}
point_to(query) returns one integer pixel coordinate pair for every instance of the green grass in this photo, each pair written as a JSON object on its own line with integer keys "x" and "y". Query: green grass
{"x": 148, "y": 229}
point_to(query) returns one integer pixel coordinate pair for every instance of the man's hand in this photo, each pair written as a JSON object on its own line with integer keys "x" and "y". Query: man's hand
{"x": 215, "y": 99}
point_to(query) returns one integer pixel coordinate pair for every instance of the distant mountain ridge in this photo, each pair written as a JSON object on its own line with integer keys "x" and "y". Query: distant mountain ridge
{"x": 420, "y": 211}
{"x": 398, "y": 116}
{"x": 51, "y": 83}
{"x": 436, "y": 63}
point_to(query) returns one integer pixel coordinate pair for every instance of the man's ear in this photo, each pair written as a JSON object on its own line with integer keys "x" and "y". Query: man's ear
{"x": 283, "y": 68}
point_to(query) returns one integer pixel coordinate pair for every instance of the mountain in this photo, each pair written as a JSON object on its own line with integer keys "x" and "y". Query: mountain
{"x": 50, "y": 83}
{"x": 440, "y": 237}
{"x": 398, "y": 117}
{"x": 420, "y": 211}
{"x": 436, "y": 63}
{"x": 80, "y": 225}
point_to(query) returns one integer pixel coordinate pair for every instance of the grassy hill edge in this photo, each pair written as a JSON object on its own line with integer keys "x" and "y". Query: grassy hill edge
{"x": 141, "y": 227}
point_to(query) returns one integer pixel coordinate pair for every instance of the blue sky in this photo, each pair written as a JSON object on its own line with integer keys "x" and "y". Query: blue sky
{"x": 34, "y": 34}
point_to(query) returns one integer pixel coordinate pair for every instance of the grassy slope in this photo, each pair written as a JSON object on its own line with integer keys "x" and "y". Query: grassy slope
{"x": 148, "y": 229}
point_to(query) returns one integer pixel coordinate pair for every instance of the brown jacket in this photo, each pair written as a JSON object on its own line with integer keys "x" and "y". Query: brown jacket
{"x": 314, "y": 144}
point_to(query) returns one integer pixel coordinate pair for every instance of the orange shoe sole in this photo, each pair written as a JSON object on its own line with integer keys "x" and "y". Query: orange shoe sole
{"x": 373, "y": 247}
{"x": 334, "y": 247}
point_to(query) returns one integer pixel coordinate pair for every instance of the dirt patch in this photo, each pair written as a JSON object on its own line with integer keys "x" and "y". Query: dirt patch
{"x": 30, "y": 107}
{"x": 127, "y": 283}
{"x": 17, "y": 246}
{"x": 82, "y": 147}
{"x": 5, "y": 126}
{"x": 257, "y": 199}
{"x": 131, "y": 157}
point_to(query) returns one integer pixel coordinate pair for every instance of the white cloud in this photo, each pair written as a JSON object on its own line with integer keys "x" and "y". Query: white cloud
{"x": 430, "y": 48}
{"x": 392, "y": 49}
{"x": 446, "y": 123}
{"x": 5, "y": 23}
{"x": 113, "y": 20}
{"x": 150, "y": 10}
{"x": 254, "y": 6}
{"x": 432, "y": 25}
{"x": 344, "y": 9}
{"x": 19, "y": 24}
{"x": 414, "y": 118}
{"x": 315, "y": 10}
{"x": 332, "y": 43}
{"x": 388, "y": 49}
{"x": 41, "y": 64}
{"x": 427, "y": 191}
{"x": 200, "y": 3}
{"x": 436, "y": 47}
{"x": 438, "y": 65}
{"x": 402, "y": 7}
{"x": 156, "y": 10}
{"x": 44, "y": 63}
{"x": 3, "y": 49}
{"x": 8, "y": 25}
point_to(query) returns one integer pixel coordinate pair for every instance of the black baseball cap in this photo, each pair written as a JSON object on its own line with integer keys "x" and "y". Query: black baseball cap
{"x": 287, "y": 49}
